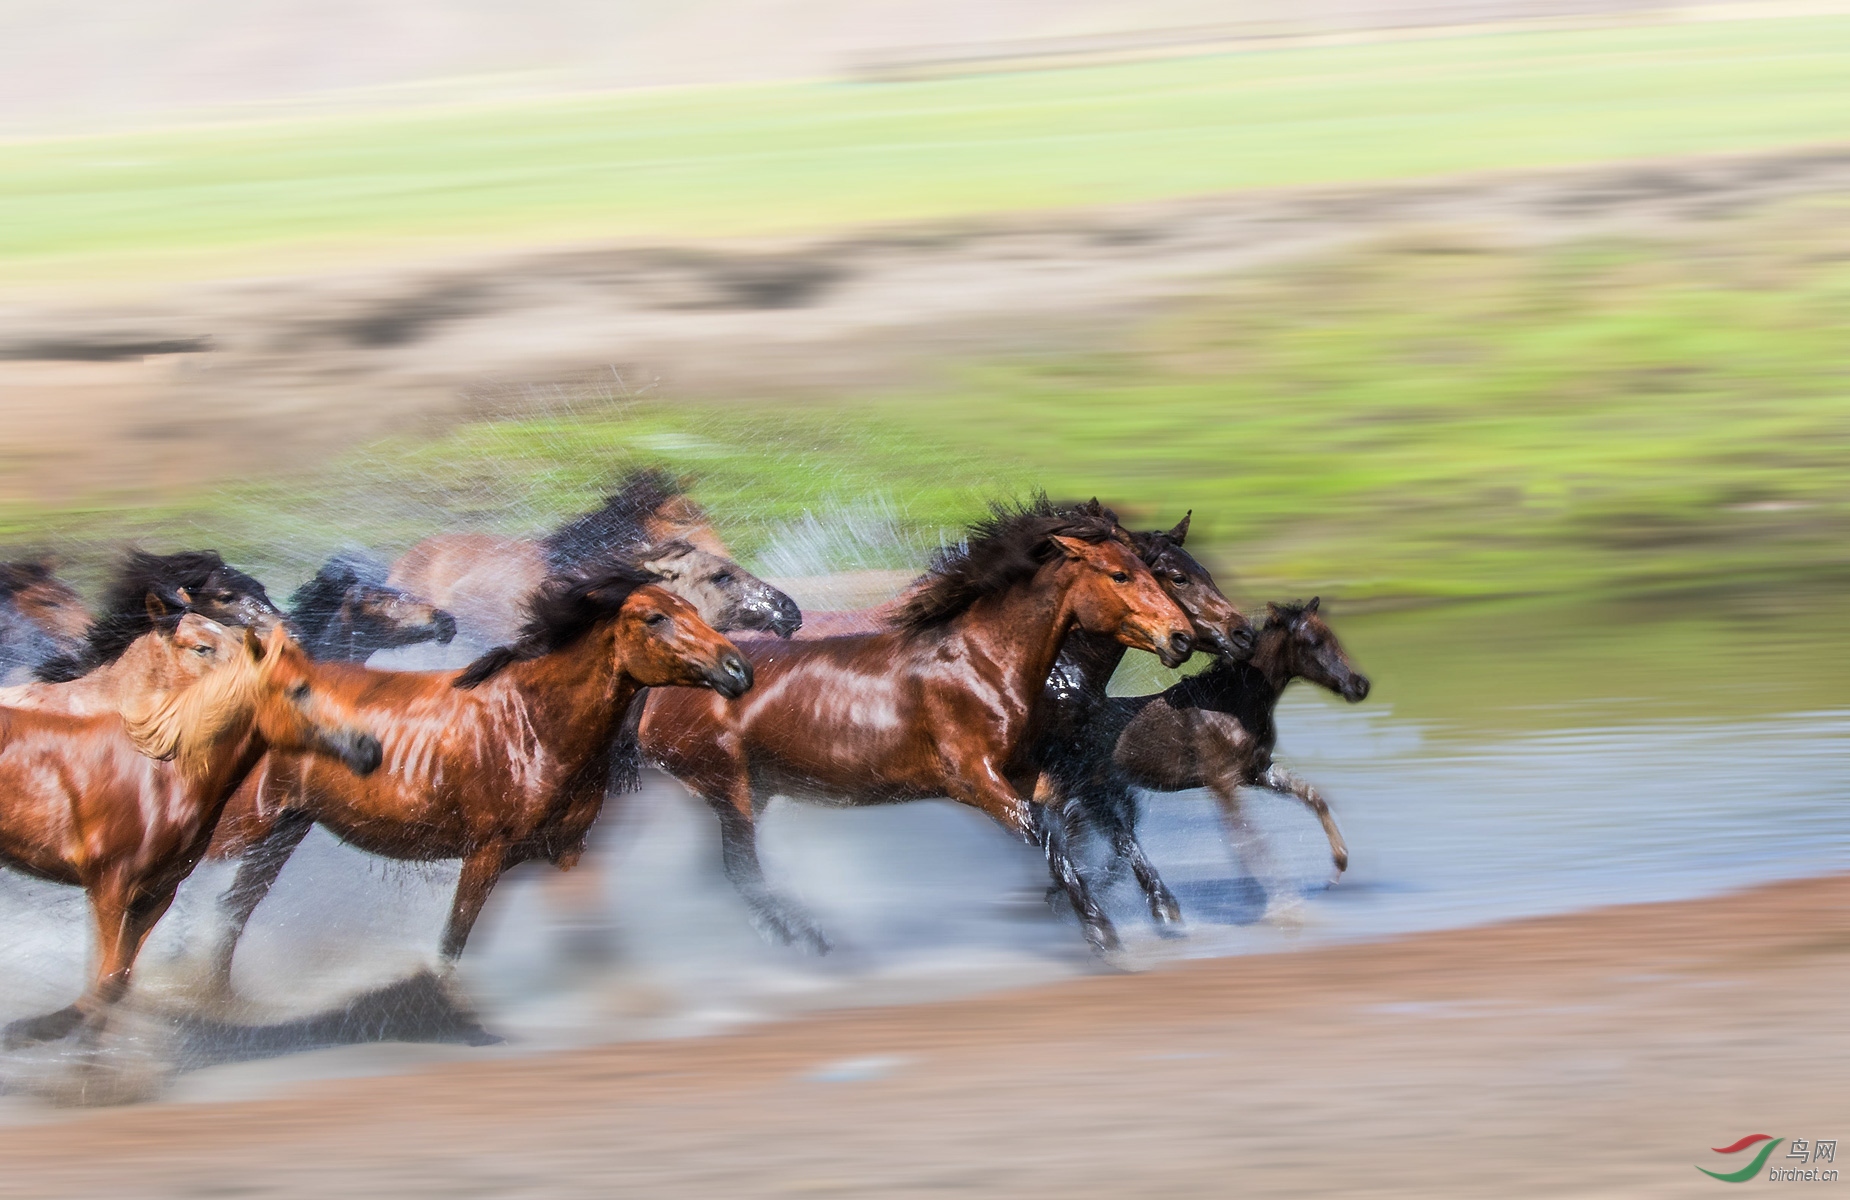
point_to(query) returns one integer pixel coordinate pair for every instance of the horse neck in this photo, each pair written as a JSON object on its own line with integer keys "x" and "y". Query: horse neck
{"x": 1087, "y": 661}
{"x": 1020, "y": 630}
{"x": 573, "y": 697}
{"x": 142, "y": 668}
{"x": 1268, "y": 667}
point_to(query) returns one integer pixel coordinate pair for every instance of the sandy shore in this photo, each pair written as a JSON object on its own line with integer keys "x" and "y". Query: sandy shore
{"x": 1594, "y": 1054}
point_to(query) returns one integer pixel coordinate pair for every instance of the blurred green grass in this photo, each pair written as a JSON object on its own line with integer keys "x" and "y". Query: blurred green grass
{"x": 814, "y": 156}
{"x": 1424, "y": 420}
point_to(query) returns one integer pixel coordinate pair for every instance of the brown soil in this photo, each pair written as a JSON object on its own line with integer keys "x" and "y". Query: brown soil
{"x": 1600, "y": 1053}
{"x": 294, "y": 369}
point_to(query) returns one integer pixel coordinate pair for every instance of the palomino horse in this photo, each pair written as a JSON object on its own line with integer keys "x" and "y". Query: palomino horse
{"x": 177, "y": 651}
{"x": 1215, "y": 730}
{"x": 192, "y": 581}
{"x": 942, "y": 704}
{"x": 485, "y": 579}
{"x": 123, "y": 807}
{"x": 347, "y": 612}
{"x": 500, "y": 764}
{"x": 41, "y": 618}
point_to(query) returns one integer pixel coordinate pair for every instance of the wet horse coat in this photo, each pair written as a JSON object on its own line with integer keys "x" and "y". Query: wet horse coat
{"x": 942, "y": 705}
{"x": 499, "y": 764}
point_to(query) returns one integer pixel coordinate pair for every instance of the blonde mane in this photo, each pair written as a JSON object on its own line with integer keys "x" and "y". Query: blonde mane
{"x": 184, "y": 725}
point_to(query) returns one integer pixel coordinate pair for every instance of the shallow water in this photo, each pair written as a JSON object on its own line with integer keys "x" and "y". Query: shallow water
{"x": 1567, "y": 788}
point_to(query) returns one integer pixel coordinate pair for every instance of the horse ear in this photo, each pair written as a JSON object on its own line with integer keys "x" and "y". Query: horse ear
{"x": 1271, "y": 609}
{"x": 1180, "y": 532}
{"x": 273, "y": 642}
{"x": 157, "y": 607}
{"x": 1073, "y": 548}
{"x": 1312, "y": 606}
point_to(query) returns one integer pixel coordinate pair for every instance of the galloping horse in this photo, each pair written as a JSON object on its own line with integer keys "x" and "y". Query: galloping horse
{"x": 41, "y": 618}
{"x": 942, "y": 704}
{"x": 348, "y": 611}
{"x": 1072, "y": 749}
{"x": 174, "y": 653}
{"x": 484, "y": 580}
{"x": 500, "y": 764}
{"x": 1216, "y": 730}
{"x": 192, "y": 581}
{"x": 123, "y": 807}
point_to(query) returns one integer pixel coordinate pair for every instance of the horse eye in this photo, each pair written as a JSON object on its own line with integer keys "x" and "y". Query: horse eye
{"x": 202, "y": 651}
{"x": 722, "y": 579}
{"x": 1179, "y": 580}
{"x": 656, "y": 619}
{"x": 299, "y": 692}
{"x": 1120, "y": 577}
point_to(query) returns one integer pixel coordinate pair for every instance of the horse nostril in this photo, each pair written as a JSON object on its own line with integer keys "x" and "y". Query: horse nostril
{"x": 1358, "y": 689}
{"x": 446, "y": 627}
{"x": 738, "y": 671}
{"x": 1181, "y": 644}
{"x": 366, "y": 754}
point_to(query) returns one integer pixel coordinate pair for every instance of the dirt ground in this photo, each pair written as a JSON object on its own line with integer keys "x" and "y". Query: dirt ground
{"x": 1597, "y": 1054}
{"x": 182, "y": 384}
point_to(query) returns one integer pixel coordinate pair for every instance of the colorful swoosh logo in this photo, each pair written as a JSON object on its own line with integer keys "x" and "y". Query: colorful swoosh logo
{"x": 1751, "y": 1169}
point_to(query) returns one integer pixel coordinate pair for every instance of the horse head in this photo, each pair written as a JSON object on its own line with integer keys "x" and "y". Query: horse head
{"x": 662, "y": 642}
{"x": 1113, "y": 593}
{"x": 1306, "y": 647}
{"x": 726, "y": 595}
{"x": 1219, "y": 625}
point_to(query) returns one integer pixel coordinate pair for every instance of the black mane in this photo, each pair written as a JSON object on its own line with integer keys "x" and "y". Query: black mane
{"x": 617, "y": 526}
{"x": 124, "y": 614}
{"x": 317, "y": 602}
{"x": 1000, "y": 551}
{"x": 560, "y": 611}
{"x": 16, "y": 577}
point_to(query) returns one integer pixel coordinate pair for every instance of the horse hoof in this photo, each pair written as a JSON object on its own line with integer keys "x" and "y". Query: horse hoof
{"x": 1102, "y": 938}
{"x": 1341, "y": 859}
{"x": 29, "y": 1031}
{"x": 1166, "y": 911}
{"x": 477, "y": 1036}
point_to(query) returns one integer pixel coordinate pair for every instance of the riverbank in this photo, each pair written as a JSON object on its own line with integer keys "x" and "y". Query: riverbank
{"x": 1599, "y": 1053}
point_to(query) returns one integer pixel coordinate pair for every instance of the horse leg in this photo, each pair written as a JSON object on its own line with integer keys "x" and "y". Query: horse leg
{"x": 1119, "y": 821}
{"x": 1250, "y": 846}
{"x": 1279, "y": 780}
{"x": 772, "y": 915}
{"x": 257, "y": 874}
{"x": 481, "y": 870}
{"x": 981, "y": 786}
{"x": 124, "y": 915}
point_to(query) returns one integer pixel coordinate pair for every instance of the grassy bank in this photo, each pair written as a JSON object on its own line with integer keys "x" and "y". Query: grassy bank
{"x": 1411, "y": 422}
{"x": 817, "y": 156}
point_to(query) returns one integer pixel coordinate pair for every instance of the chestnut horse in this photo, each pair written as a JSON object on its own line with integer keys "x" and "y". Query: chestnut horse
{"x": 1216, "y": 730}
{"x": 123, "y": 807}
{"x": 41, "y": 618}
{"x": 485, "y": 580}
{"x": 192, "y": 581}
{"x": 499, "y": 764}
{"x": 176, "y": 652}
{"x": 347, "y": 612}
{"x": 944, "y": 703}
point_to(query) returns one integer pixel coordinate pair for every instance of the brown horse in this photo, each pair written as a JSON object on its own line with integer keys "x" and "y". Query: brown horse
{"x": 124, "y": 807}
{"x": 41, "y": 619}
{"x": 942, "y": 704}
{"x": 1216, "y": 730}
{"x": 197, "y": 581}
{"x": 176, "y": 652}
{"x": 484, "y": 580}
{"x": 500, "y": 764}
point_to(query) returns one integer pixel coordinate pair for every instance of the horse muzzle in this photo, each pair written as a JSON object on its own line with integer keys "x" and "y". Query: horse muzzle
{"x": 1175, "y": 651}
{"x": 732, "y": 677}
{"x": 1355, "y": 689}
{"x": 361, "y": 753}
{"x": 786, "y": 617}
{"x": 444, "y": 626}
{"x": 1234, "y": 643}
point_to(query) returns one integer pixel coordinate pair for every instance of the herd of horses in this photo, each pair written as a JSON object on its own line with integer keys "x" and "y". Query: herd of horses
{"x": 191, "y": 718}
